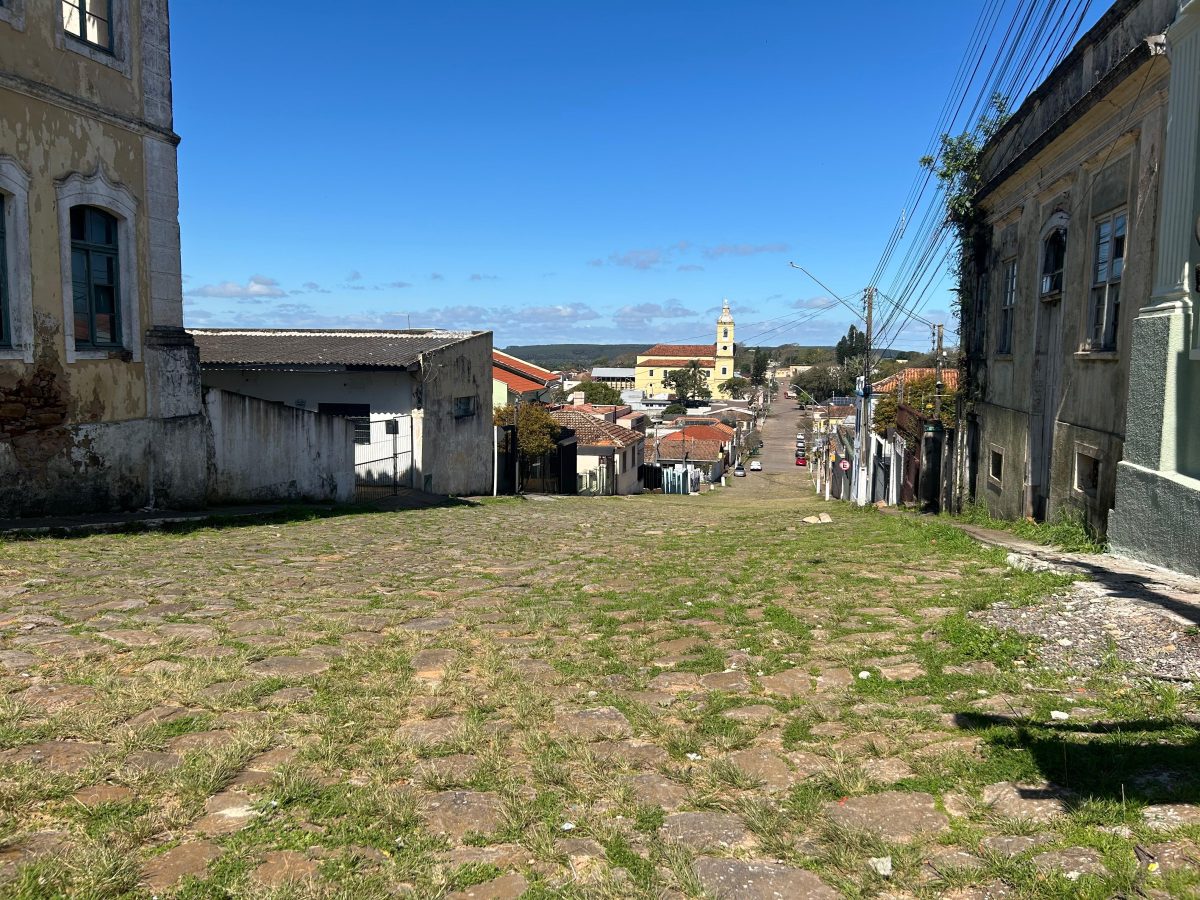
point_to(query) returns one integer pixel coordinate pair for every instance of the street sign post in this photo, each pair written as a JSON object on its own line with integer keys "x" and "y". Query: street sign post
{"x": 844, "y": 465}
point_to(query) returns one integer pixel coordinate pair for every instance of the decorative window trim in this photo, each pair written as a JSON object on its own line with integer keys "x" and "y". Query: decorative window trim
{"x": 96, "y": 190}
{"x": 1089, "y": 345}
{"x": 118, "y": 57}
{"x": 13, "y": 12}
{"x": 14, "y": 184}
{"x": 1058, "y": 223}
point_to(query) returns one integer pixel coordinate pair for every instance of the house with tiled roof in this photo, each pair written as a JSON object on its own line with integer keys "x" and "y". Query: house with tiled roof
{"x": 715, "y": 360}
{"x": 514, "y": 378}
{"x": 609, "y": 456}
{"x": 678, "y": 449}
{"x": 418, "y": 398}
{"x": 906, "y": 376}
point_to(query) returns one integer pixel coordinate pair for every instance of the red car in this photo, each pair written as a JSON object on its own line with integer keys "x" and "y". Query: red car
{"x": 801, "y": 461}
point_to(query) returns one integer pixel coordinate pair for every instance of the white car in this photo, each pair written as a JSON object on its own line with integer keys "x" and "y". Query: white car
{"x": 755, "y": 465}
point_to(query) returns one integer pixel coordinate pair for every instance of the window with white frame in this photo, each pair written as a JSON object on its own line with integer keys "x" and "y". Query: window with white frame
{"x": 1108, "y": 265}
{"x": 98, "y": 228}
{"x": 1008, "y": 303}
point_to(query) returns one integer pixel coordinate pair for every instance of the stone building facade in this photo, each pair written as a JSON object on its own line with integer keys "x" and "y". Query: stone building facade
{"x": 100, "y": 402}
{"x": 1062, "y": 264}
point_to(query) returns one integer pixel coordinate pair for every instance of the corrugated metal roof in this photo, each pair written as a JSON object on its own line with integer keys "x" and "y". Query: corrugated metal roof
{"x": 610, "y": 372}
{"x": 315, "y": 348}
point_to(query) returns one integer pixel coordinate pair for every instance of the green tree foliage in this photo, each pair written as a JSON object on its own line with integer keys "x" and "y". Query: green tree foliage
{"x": 854, "y": 343}
{"x": 736, "y": 387}
{"x": 820, "y": 382}
{"x": 919, "y": 394}
{"x": 758, "y": 370}
{"x": 596, "y": 392}
{"x": 674, "y": 409}
{"x": 957, "y": 167}
{"x": 688, "y": 383}
{"x": 537, "y": 432}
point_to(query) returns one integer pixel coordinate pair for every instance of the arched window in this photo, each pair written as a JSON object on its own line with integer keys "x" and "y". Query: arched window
{"x": 725, "y": 333}
{"x": 1054, "y": 251}
{"x": 95, "y": 278}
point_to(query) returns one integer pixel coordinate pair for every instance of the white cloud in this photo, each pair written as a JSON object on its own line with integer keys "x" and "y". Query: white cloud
{"x": 257, "y": 288}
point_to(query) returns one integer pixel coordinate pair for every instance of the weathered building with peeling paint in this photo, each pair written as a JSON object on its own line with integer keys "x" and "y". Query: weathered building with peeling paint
{"x": 100, "y": 403}
{"x": 1061, "y": 267}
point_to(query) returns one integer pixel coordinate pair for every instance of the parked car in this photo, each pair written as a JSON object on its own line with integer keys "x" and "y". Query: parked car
{"x": 802, "y": 460}
{"x": 739, "y": 471}
{"x": 755, "y": 465}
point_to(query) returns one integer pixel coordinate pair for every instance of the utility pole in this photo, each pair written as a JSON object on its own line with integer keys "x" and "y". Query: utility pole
{"x": 934, "y": 438}
{"x": 866, "y": 445}
{"x": 517, "y": 446}
{"x": 937, "y": 397}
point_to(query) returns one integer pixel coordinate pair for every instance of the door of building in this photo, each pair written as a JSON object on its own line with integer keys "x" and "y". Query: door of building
{"x": 1044, "y": 401}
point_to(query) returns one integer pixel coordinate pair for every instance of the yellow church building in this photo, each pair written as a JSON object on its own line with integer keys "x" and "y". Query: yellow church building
{"x": 715, "y": 359}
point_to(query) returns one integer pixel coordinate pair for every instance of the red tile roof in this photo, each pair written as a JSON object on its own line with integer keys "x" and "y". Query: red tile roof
{"x": 593, "y": 432}
{"x": 521, "y": 367}
{"x": 678, "y": 351}
{"x": 889, "y": 384}
{"x": 516, "y": 382}
{"x": 722, "y": 433}
{"x": 674, "y": 447}
{"x": 677, "y": 363}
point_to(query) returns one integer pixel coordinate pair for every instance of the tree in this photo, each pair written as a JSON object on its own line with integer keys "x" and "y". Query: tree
{"x": 596, "y": 392}
{"x": 674, "y": 409}
{"x": 919, "y": 394}
{"x": 537, "y": 432}
{"x": 735, "y": 387}
{"x": 758, "y": 370}
{"x": 822, "y": 382}
{"x": 689, "y": 383}
{"x": 853, "y": 344}
{"x": 957, "y": 167}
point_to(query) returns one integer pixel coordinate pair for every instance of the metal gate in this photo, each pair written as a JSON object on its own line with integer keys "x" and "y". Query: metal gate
{"x": 384, "y": 464}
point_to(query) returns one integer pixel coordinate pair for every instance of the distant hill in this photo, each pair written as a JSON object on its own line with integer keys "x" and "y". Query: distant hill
{"x": 576, "y": 356}
{"x": 585, "y": 356}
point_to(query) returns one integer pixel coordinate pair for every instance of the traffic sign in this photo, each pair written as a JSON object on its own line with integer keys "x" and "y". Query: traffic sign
{"x": 844, "y": 465}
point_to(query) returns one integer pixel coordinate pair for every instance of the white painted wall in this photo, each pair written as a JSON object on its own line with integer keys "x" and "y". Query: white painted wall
{"x": 265, "y": 451}
{"x": 389, "y": 393}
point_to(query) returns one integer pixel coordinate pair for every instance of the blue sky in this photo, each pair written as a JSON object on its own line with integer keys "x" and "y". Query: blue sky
{"x": 552, "y": 171}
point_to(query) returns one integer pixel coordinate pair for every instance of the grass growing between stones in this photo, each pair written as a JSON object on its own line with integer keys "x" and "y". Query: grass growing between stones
{"x": 605, "y": 669}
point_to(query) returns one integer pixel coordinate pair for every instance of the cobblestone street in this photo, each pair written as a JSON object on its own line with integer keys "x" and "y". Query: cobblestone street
{"x": 649, "y": 696}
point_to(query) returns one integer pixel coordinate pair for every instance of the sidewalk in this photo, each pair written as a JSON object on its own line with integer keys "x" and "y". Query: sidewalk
{"x": 1114, "y": 575}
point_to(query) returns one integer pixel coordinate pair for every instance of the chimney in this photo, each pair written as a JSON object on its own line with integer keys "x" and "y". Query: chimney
{"x": 578, "y": 398}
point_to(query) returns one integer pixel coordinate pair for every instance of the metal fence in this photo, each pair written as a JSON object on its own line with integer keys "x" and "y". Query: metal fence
{"x": 384, "y": 463}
